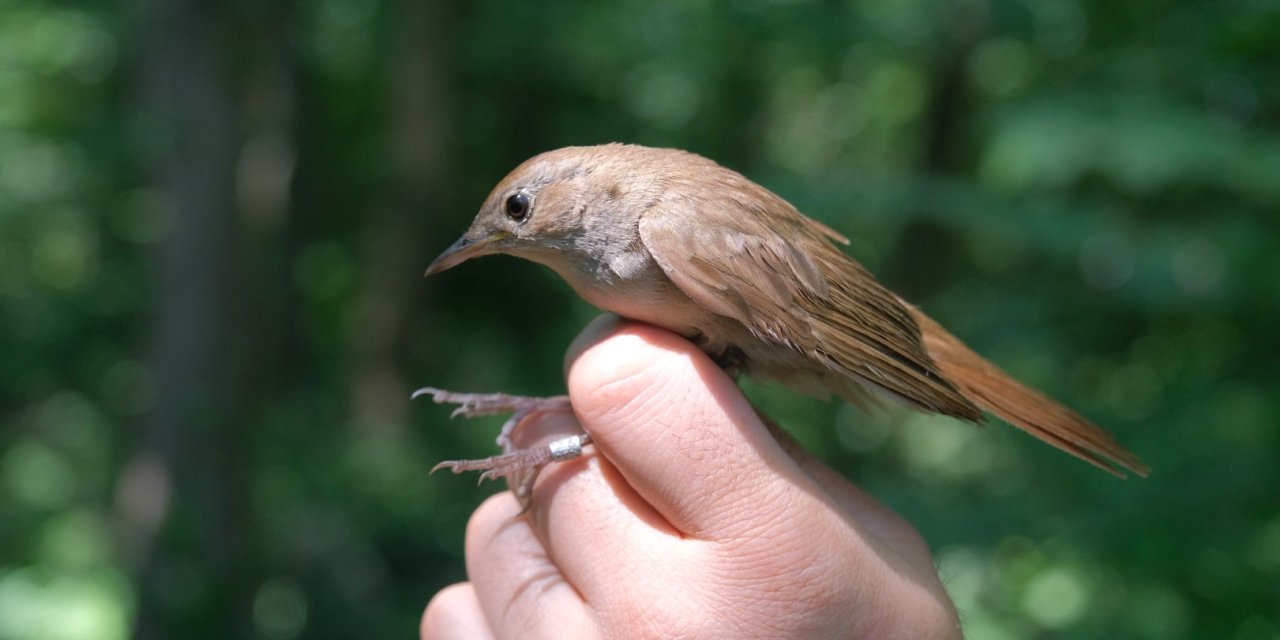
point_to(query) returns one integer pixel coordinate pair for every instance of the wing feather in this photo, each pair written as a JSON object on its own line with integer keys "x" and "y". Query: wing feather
{"x": 787, "y": 284}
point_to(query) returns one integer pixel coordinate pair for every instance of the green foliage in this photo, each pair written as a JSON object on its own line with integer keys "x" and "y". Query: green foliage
{"x": 1087, "y": 192}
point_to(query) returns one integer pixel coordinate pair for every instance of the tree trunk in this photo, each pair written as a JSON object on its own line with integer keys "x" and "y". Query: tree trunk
{"x": 399, "y": 241}
{"x": 180, "y": 499}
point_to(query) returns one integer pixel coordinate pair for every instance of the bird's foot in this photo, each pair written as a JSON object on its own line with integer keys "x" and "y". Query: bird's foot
{"x": 520, "y": 465}
{"x": 474, "y": 405}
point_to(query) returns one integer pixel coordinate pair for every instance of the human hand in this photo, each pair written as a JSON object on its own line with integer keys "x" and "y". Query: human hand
{"x": 692, "y": 521}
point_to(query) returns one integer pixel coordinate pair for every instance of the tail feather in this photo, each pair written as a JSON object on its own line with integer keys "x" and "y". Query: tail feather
{"x": 996, "y": 392}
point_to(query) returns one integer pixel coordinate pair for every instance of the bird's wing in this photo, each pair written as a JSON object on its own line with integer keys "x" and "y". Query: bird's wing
{"x": 790, "y": 286}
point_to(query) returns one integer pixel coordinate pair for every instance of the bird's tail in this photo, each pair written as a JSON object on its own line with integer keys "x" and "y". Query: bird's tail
{"x": 995, "y": 391}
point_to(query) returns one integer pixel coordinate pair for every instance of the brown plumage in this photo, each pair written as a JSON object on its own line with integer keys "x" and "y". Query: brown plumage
{"x": 673, "y": 239}
{"x": 1021, "y": 406}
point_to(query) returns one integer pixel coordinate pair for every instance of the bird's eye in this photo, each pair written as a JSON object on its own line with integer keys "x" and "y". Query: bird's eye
{"x": 518, "y": 206}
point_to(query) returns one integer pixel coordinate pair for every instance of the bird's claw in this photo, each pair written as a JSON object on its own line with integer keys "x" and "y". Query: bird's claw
{"x": 520, "y": 466}
{"x": 474, "y": 405}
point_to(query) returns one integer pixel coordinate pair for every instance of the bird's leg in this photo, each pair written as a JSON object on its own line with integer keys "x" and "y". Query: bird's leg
{"x": 726, "y": 356}
{"x": 519, "y": 465}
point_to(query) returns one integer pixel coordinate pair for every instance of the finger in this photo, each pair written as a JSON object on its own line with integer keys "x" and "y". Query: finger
{"x": 454, "y": 613}
{"x": 680, "y": 432}
{"x": 877, "y": 522}
{"x": 607, "y": 541}
{"x": 521, "y": 593}
{"x": 895, "y": 541}
{"x": 603, "y": 326}
{"x": 597, "y": 531}
{"x": 682, "y": 435}
{"x": 873, "y": 517}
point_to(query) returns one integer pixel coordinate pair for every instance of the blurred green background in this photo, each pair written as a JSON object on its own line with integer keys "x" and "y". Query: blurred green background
{"x": 214, "y": 219}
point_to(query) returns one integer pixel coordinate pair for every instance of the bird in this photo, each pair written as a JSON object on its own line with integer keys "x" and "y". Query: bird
{"x": 674, "y": 239}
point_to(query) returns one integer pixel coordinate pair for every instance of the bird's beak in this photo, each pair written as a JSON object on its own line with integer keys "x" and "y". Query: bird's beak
{"x": 462, "y": 250}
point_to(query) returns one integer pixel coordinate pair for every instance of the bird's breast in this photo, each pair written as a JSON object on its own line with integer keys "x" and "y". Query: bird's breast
{"x": 637, "y": 288}
{"x": 633, "y": 286}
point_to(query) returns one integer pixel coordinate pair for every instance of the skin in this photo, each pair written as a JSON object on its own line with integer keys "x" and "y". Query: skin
{"x": 673, "y": 239}
{"x": 644, "y": 541}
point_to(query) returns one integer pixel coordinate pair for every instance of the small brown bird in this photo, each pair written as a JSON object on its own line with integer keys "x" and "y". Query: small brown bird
{"x": 673, "y": 239}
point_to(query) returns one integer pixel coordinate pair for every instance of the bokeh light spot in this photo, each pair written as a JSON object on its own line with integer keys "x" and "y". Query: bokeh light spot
{"x": 37, "y": 604}
{"x": 1057, "y": 597}
{"x": 280, "y": 608}
{"x": 64, "y": 256}
{"x": 37, "y": 475}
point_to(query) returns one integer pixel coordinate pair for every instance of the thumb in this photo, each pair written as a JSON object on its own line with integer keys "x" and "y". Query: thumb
{"x": 679, "y": 431}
